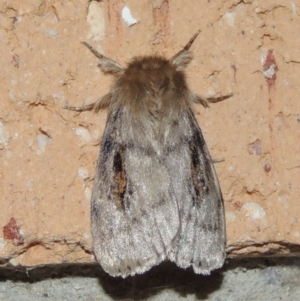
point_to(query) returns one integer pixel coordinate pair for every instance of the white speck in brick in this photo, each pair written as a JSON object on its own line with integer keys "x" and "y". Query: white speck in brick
{"x": 19, "y": 18}
{"x": 29, "y": 185}
{"x": 126, "y": 15}
{"x": 16, "y": 260}
{"x": 52, "y": 33}
{"x": 96, "y": 134}
{"x": 255, "y": 148}
{"x": 230, "y": 216}
{"x": 271, "y": 67}
{"x": 3, "y": 243}
{"x": 95, "y": 19}
{"x": 83, "y": 133}
{"x": 42, "y": 140}
{"x": 231, "y": 168}
{"x": 294, "y": 8}
{"x": 230, "y": 18}
{"x": 269, "y": 73}
{"x": 3, "y": 138}
{"x": 88, "y": 193}
{"x": 87, "y": 236}
{"x": 254, "y": 210}
{"x": 8, "y": 154}
{"x": 283, "y": 199}
{"x": 58, "y": 94}
{"x": 83, "y": 173}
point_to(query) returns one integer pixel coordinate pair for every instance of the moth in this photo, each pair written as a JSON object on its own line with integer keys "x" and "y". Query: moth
{"x": 156, "y": 195}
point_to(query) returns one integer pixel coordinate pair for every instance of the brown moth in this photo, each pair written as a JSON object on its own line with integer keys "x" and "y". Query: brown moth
{"x": 156, "y": 194}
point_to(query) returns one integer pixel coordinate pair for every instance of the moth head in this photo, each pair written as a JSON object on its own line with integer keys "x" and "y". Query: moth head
{"x": 151, "y": 83}
{"x": 157, "y": 77}
{"x": 179, "y": 60}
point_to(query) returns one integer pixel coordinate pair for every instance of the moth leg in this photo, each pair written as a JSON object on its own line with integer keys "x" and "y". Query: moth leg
{"x": 88, "y": 107}
{"x": 96, "y": 106}
{"x": 101, "y": 103}
{"x": 220, "y": 98}
{"x": 202, "y": 100}
{"x": 205, "y": 101}
{"x": 218, "y": 160}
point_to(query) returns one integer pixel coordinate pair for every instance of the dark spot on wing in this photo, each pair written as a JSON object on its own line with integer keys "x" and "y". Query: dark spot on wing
{"x": 146, "y": 151}
{"x": 162, "y": 201}
{"x": 112, "y": 118}
{"x": 108, "y": 145}
{"x": 118, "y": 163}
{"x": 210, "y": 227}
{"x": 197, "y": 174}
{"x": 175, "y": 123}
{"x": 144, "y": 213}
{"x": 200, "y": 163}
{"x": 95, "y": 210}
{"x": 171, "y": 147}
{"x": 129, "y": 188}
{"x": 130, "y": 145}
{"x": 119, "y": 184}
{"x": 194, "y": 155}
{"x": 220, "y": 203}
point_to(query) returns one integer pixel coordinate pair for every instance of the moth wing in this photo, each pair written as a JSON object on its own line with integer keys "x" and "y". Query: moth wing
{"x": 134, "y": 212}
{"x": 201, "y": 239}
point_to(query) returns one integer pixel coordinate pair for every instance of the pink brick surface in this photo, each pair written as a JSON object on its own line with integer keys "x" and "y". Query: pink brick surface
{"x": 48, "y": 154}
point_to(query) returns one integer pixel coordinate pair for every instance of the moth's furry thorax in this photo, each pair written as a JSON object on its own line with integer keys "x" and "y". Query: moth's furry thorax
{"x": 152, "y": 85}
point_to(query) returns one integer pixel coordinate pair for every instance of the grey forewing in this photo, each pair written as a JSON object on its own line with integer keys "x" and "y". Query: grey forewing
{"x": 137, "y": 215}
{"x": 201, "y": 241}
{"x": 158, "y": 205}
